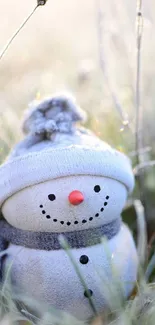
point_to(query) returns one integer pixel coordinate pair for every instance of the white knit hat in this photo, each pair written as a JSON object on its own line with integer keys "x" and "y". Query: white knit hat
{"x": 54, "y": 147}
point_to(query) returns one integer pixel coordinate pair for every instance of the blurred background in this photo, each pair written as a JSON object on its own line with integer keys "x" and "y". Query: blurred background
{"x": 60, "y": 49}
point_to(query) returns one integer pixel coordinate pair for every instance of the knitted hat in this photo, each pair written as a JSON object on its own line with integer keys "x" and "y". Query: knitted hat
{"x": 55, "y": 147}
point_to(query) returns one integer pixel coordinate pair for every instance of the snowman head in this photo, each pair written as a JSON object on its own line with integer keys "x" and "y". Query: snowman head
{"x": 66, "y": 204}
{"x": 61, "y": 178}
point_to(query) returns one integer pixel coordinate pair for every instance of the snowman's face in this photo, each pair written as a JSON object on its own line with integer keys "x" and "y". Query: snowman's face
{"x": 66, "y": 204}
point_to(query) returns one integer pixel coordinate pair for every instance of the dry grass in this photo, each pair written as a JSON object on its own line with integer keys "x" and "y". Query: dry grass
{"x": 58, "y": 50}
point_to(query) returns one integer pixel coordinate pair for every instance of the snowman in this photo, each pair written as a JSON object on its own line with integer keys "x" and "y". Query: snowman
{"x": 63, "y": 180}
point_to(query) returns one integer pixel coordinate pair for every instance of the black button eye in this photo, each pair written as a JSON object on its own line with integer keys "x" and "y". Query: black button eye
{"x": 97, "y": 188}
{"x": 51, "y": 197}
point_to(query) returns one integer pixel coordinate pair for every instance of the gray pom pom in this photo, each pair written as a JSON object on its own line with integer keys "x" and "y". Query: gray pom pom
{"x": 58, "y": 113}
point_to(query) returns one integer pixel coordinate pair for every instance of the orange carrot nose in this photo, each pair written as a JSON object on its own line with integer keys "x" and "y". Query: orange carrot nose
{"x": 76, "y": 197}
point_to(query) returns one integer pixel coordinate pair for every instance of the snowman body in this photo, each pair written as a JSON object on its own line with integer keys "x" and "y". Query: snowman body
{"x": 50, "y": 276}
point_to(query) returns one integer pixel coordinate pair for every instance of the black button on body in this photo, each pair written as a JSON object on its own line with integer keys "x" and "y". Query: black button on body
{"x": 84, "y": 259}
{"x": 88, "y": 293}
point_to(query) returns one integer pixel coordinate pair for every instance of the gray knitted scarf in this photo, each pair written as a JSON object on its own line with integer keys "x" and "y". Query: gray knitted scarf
{"x": 50, "y": 241}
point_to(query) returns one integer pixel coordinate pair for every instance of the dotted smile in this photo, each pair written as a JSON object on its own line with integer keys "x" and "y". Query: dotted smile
{"x": 102, "y": 209}
{"x": 68, "y": 223}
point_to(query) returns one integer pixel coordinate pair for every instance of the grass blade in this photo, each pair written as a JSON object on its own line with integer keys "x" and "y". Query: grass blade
{"x": 66, "y": 247}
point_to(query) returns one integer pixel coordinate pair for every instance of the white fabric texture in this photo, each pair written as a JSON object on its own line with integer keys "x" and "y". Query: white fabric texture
{"x": 39, "y": 167}
{"x": 51, "y": 277}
